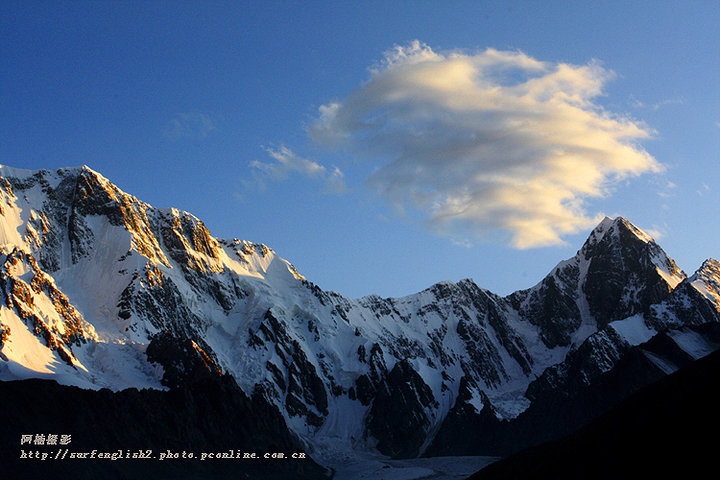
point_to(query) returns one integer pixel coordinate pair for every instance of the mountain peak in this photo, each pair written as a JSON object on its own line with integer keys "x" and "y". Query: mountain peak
{"x": 710, "y": 265}
{"x": 85, "y": 170}
{"x": 621, "y": 222}
{"x": 619, "y": 228}
{"x": 707, "y": 280}
{"x": 8, "y": 171}
{"x": 103, "y": 282}
{"x": 627, "y": 270}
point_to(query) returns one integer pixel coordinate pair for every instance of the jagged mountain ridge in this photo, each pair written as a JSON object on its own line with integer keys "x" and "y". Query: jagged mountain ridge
{"x": 660, "y": 431}
{"x": 94, "y": 281}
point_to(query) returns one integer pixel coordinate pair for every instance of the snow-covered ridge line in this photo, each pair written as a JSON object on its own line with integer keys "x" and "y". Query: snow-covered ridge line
{"x": 705, "y": 280}
{"x": 367, "y": 373}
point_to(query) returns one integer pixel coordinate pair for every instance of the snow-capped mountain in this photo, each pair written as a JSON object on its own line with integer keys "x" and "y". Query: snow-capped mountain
{"x": 101, "y": 290}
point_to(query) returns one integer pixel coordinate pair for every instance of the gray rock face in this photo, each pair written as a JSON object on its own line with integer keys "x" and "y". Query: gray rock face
{"x": 623, "y": 277}
{"x": 398, "y": 417}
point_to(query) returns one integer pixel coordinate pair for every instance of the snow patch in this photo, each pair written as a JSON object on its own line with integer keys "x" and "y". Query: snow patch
{"x": 692, "y": 343}
{"x": 633, "y": 329}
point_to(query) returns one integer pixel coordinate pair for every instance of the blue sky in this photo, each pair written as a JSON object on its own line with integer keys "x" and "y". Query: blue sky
{"x": 383, "y": 146}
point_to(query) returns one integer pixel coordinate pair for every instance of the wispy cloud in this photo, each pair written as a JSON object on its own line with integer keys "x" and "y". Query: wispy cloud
{"x": 285, "y": 162}
{"x": 489, "y": 142}
{"x": 657, "y": 105}
{"x": 705, "y": 188}
{"x": 189, "y": 125}
{"x": 667, "y": 189}
{"x": 657, "y": 233}
{"x": 462, "y": 242}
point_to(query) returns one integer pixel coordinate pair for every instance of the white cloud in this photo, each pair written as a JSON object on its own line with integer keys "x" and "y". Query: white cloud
{"x": 463, "y": 242}
{"x": 285, "y": 162}
{"x": 705, "y": 188}
{"x": 487, "y": 143}
{"x": 670, "y": 101}
{"x": 657, "y": 233}
{"x": 192, "y": 125}
{"x": 335, "y": 181}
{"x": 669, "y": 187}
{"x": 657, "y": 105}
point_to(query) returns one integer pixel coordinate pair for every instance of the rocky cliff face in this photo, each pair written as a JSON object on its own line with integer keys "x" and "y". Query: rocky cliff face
{"x": 99, "y": 289}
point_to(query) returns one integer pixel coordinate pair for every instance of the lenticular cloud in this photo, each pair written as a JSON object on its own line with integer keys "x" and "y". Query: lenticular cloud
{"x": 489, "y": 142}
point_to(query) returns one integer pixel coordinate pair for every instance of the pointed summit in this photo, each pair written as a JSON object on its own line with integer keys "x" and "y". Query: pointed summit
{"x": 707, "y": 281}
{"x": 627, "y": 271}
{"x": 604, "y": 226}
{"x": 617, "y": 228}
{"x": 620, "y": 271}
